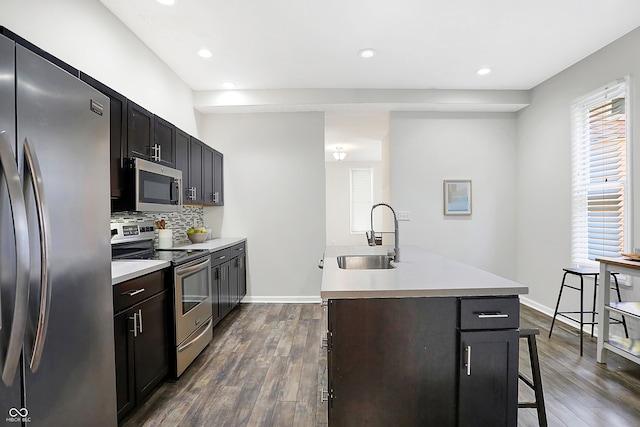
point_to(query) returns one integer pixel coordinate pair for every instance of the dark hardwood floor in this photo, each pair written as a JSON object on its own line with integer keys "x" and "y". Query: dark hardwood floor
{"x": 265, "y": 367}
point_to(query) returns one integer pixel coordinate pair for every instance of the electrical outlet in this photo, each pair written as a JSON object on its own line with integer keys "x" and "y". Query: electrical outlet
{"x": 404, "y": 216}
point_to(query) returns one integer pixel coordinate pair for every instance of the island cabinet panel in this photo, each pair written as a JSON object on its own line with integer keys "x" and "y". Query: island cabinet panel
{"x": 488, "y": 377}
{"x": 392, "y": 362}
{"x": 488, "y": 386}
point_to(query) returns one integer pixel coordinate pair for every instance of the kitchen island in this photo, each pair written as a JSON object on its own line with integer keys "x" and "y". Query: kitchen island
{"x": 430, "y": 342}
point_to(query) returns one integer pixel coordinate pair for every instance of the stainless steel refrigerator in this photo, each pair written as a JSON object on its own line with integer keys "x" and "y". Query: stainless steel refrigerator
{"x": 56, "y": 313}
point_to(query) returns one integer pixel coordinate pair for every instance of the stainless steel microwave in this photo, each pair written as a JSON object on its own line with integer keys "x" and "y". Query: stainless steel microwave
{"x": 157, "y": 188}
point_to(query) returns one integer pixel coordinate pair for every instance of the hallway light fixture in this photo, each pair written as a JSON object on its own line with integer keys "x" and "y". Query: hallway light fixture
{"x": 367, "y": 53}
{"x": 339, "y": 155}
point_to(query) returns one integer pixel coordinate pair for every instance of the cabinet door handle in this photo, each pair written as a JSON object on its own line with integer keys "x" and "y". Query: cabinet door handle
{"x": 324, "y": 395}
{"x": 133, "y": 292}
{"x": 215, "y": 197}
{"x": 140, "y": 320}
{"x": 135, "y": 324}
{"x": 155, "y": 152}
{"x": 222, "y": 257}
{"x": 468, "y": 360}
{"x": 492, "y": 316}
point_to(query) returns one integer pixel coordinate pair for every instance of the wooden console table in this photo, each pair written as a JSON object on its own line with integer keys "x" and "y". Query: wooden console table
{"x": 625, "y": 347}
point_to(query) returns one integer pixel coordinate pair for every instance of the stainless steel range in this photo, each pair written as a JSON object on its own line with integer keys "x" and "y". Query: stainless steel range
{"x": 193, "y": 328}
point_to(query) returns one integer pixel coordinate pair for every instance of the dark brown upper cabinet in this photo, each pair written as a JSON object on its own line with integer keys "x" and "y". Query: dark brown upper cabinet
{"x": 165, "y": 142}
{"x": 118, "y": 136}
{"x": 140, "y": 131}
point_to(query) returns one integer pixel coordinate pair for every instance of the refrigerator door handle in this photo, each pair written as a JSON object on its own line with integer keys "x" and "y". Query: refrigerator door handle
{"x": 10, "y": 361}
{"x": 32, "y": 167}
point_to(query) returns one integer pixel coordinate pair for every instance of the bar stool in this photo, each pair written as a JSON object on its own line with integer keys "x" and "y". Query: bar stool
{"x": 535, "y": 383}
{"x": 582, "y": 272}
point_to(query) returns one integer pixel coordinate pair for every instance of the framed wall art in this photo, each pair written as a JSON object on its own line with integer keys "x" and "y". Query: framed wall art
{"x": 457, "y": 197}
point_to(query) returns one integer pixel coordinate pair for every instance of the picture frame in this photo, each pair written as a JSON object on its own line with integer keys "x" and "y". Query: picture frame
{"x": 457, "y": 196}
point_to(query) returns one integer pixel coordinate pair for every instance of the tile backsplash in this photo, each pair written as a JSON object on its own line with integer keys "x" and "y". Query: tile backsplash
{"x": 179, "y": 222}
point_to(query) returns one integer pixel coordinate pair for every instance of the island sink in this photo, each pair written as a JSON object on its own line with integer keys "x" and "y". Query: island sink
{"x": 365, "y": 262}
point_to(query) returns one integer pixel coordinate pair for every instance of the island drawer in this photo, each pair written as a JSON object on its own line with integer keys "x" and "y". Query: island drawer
{"x": 489, "y": 313}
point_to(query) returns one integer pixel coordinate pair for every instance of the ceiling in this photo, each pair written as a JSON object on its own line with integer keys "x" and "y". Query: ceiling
{"x": 420, "y": 44}
{"x": 297, "y": 46}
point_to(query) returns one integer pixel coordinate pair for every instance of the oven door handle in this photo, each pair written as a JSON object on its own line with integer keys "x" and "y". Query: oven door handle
{"x": 190, "y": 343}
{"x": 181, "y": 271}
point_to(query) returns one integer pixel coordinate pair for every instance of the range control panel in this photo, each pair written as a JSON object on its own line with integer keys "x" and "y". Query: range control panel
{"x": 128, "y": 231}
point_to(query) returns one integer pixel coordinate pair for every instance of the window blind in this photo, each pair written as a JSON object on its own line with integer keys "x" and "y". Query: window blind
{"x": 361, "y": 199}
{"x": 599, "y": 174}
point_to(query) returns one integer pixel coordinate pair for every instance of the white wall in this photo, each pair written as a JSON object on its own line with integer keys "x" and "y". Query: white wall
{"x": 544, "y": 166}
{"x": 87, "y": 36}
{"x": 427, "y": 148}
{"x": 274, "y": 195}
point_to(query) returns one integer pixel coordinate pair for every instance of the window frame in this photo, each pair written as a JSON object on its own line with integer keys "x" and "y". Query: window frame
{"x": 351, "y": 200}
{"x": 580, "y": 110}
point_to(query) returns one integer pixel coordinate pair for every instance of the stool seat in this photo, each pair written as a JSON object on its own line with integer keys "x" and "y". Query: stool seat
{"x": 535, "y": 383}
{"x": 582, "y": 272}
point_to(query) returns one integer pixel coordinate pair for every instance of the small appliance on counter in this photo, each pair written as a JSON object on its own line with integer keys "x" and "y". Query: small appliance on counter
{"x": 191, "y": 288}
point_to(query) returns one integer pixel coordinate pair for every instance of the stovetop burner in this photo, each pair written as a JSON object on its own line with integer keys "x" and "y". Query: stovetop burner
{"x": 138, "y": 245}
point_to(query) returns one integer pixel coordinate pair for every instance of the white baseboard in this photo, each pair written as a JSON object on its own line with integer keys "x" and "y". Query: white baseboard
{"x": 281, "y": 300}
{"x": 537, "y": 306}
{"x": 549, "y": 312}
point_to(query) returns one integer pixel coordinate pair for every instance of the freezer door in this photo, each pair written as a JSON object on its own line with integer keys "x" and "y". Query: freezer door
{"x": 66, "y": 125}
{"x": 10, "y": 396}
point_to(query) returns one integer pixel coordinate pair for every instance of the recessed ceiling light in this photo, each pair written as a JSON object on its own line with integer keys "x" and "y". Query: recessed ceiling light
{"x": 367, "y": 53}
{"x": 483, "y": 71}
{"x": 228, "y": 85}
{"x": 205, "y": 53}
{"x": 167, "y": 2}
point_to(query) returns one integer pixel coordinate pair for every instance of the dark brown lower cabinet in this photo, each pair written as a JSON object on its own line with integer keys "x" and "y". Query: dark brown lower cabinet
{"x": 141, "y": 339}
{"x": 407, "y": 362}
{"x": 229, "y": 279}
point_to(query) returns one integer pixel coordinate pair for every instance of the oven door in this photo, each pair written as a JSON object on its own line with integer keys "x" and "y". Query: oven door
{"x": 192, "y": 297}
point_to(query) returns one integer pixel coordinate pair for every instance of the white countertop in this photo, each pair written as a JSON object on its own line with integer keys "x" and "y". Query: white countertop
{"x": 213, "y": 244}
{"x": 124, "y": 270}
{"x": 418, "y": 274}
{"x": 121, "y": 271}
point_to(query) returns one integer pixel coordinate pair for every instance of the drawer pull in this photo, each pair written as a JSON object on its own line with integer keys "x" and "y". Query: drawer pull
{"x": 134, "y": 292}
{"x": 492, "y": 316}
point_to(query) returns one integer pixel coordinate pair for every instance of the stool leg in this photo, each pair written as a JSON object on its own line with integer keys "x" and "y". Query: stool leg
{"x": 624, "y": 322}
{"x": 593, "y": 308}
{"x": 537, "y": 381}
{"x": 555, "y": 313}
{"x": 581, "y": 310}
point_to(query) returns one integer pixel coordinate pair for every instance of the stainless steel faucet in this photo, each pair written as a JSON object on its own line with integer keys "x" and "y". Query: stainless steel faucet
{"x": 396, "y": 250}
